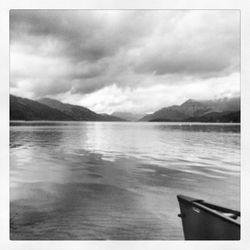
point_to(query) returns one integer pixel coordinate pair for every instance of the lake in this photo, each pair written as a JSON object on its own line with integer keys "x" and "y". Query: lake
{"x": 116, "y": 180}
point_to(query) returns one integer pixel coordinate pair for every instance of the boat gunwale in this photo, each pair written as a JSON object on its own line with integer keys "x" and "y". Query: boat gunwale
{"x": 198, "y": 203}
{"x": 218, "y": 214}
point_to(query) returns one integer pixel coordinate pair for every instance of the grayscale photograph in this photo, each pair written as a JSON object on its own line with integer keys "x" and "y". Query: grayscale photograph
{"x": 124, "y": 124}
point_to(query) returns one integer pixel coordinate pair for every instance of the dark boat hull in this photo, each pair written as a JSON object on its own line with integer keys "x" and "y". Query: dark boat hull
{"x": 204, "y": 221}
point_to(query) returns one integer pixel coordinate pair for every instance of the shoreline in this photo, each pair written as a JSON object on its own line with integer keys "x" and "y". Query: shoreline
{"x": 170, "y": 122}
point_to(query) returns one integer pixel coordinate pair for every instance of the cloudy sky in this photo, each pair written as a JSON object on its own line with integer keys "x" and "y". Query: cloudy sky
{"x": 136, "y": 61}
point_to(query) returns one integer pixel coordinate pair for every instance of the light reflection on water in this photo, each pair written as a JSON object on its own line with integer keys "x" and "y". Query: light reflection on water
{"x": 117, "y": 180}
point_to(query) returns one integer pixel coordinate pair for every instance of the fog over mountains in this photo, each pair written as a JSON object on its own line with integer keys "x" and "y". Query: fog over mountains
{"x": 221, "y": 110}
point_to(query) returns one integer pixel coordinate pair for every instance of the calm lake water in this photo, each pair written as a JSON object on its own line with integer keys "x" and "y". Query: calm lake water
{"x": 116, "y": 181}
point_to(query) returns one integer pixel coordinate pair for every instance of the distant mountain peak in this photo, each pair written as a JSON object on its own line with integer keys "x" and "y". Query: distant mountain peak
{"x": 128, "y": 115}
{"x": 190, "y": 102}
{"x": 47, "y": 99}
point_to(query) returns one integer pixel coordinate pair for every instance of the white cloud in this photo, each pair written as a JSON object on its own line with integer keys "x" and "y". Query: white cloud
{"x": 151, "y": 98}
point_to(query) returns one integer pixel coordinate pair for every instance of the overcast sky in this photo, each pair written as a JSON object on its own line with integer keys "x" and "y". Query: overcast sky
{"x": 137, "y": 61}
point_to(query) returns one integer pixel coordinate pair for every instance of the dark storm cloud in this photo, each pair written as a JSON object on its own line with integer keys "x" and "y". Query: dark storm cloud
{"x": 88, "y": 85}
{"x": 80, "y": 35}
{"x": 47, "y": 87}
{"x": 56, "y": 52}
{"x": 83, "y": 70}
{"x": 73, "y": 36}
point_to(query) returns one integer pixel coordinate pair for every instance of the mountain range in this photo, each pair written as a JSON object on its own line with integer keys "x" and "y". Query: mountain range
{"x": 221, "y": 110}
{"x": 128, "y": 116}
{"x": 52, "y": 110}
